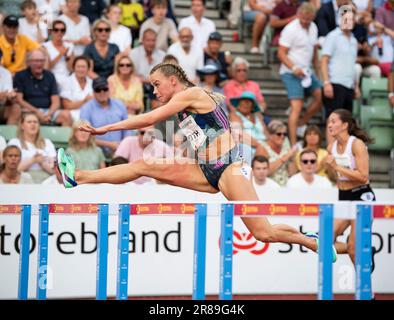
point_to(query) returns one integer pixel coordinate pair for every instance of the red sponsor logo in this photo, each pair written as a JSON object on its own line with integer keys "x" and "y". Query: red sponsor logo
{"x": 73, "y": 208}
{"x": 10, "y": 209}
{"x": 246, "y": 242}
{"x": 383, "y": 211}
{"x": 163, "y": 208}
{"x": 277, "y": 209}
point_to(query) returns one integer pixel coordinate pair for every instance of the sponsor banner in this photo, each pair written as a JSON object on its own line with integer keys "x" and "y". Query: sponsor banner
{"x": 282, "y": 209}
{"x": 386, "y": 211}
{"x": 10, "y": 209}
{"x": 163, "y": 208}
{"x": 65, "y": 208}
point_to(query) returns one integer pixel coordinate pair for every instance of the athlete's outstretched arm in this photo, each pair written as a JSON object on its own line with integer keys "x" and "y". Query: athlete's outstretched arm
{"x": 178, "y": 102}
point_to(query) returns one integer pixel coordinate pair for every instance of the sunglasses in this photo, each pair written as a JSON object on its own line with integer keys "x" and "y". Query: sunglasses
{"x": 101, "y": 90}
{"x": 281, "y": 134}
{"x": 306, "y": 161}
{"x": 103, "y": 30}
{"x": 62, "y": 30}
{"x": 128, "y": 65}
{"x": 241, "y": 70}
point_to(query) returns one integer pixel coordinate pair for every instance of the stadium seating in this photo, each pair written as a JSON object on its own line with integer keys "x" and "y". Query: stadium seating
{"x": 370, "y": 86}
{"x": 58, "y": 135}
{"x": 375, "y": 112}
{"x": 8, "y": 131}
{"x": 383, "y": 133}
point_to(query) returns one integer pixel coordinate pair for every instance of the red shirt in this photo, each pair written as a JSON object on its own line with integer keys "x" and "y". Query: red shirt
{"x": 234, "y": 89}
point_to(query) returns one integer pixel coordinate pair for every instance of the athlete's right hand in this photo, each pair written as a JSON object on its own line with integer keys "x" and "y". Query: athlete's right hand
{"x": 92, "y": 130}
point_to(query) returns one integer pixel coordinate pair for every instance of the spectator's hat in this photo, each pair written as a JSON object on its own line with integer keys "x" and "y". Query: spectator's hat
{"x": 246, "y": 95}
{"x": 208, "y": 69}
{"x": 99, "y": 82}
{"x": 11, "y": 21}
{"x": 215, "y": 36}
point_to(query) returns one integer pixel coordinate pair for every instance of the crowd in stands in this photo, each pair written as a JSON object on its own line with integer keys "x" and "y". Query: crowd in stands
{"x": 67, "y": 62}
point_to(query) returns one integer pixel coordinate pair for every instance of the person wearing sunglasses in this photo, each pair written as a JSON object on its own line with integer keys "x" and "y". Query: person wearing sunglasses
{"x": 307, "y": 177}
{"x": 102, "y": 53}
{"x": 15, "y": 46}
{"x": 104, "y": 110}
{"x": 60, "y": 53}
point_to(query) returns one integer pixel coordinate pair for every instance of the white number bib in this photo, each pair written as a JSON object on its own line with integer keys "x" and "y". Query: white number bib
{"x": 193, "y": 132}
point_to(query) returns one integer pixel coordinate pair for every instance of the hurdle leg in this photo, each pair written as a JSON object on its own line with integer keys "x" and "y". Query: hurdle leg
{"x": 363, "y": 252}
{"x": 200, "y": 235}
{"x": 42, "y": 263}
{"x": 102, "y": 252}
{"x": 24, "y": 252}
{"x": 326, "y": 238}
{"x": 123, "y": 252}
{"x": 226, "y": 252}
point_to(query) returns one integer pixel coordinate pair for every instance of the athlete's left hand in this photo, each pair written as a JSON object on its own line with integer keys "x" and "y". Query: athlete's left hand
{"x": 330, "y": 161}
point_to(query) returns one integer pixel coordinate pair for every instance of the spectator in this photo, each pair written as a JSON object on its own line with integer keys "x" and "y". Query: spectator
{"x": 240, "y": 83}
{"x": 50, "y": 9}
{"x": 15, "y": 46}
{"x": 93, "y": 10}
{"x": 82, "y": 147}
{"x": 385, "y": 14}
{"x": 391, "y": 85}
{"x": 120, "y": 35}
{"x": 382, "y": 49}
{"x": 260, "y": 170}
{"x": 279, "y": 153}
{"x": 147, "y": 4}
{"x": 258, "y": 12}
{"x": 283, "y": 13}
{"x": 144, "y": 146}
{"x": 31, "y": 25}
{"x": 103, "y": 110}
{"x": 308, "y": 178}
{"x": 164, "y": 27}
{"x": 313, "y": 140}
{"x": 77, "y": 89}
{"x": 213, "y": 55}
{"x": 38, "y": 154}
{"x": 9, "y": 110}
{"x": 169, "y": 58}
{"x": 102, "y": 53}
{"x": 244, "y": 142}
{"x": 247, "y": 112}
{"x": 3, "y": 144}
{"x": 297, "y": 52}
{"x": 132, "y": 16}
{"x": 190, "y": 56}
{"x": 234, "y": 14}
{"x": 209, "y": 79}
{"x": 78, "y": 27}
{"x": 117, "y": 161}
{"x": 126, "y": 86}
{"x": 60, "y": 52}
{"x": 201, "y": 27}
{"x": 144, "y": 58}
{"x": 364, "y": 6}
{"x": 37, "y": 91}
{"x": 9, "y": 172}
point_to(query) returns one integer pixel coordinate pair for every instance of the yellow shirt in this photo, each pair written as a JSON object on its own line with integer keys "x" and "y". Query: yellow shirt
{"x": 127, "y": 14}
{"x": 19, "y": 50}
{"x": 133, "y": 94}
{"x": 321, "y": 154}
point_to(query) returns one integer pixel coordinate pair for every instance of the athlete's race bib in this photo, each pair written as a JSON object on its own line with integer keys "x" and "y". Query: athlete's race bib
{"x": 193, "y": 132}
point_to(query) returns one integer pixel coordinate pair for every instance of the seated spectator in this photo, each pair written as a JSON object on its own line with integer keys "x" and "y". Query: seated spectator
{"x": 133, "y": 16}
{"x": 298, "y": 54}
{"x": 37, "y": 91}
{"x": 279, "y": 153}
{"x": 164, "y": 27}
{"x": 120, "y": 35}
{"x": 382, "y": 49}
{"x": 147, "y": 4}
{"x": 209, "y": 79}
{"x": 169, "y": 58}
{"x": 10, "y": 111}
{"x": 143, "y": 147}
{"x": 9, "y": 172}
{"x": 31, "y": 25}
{"x": 82, "y": 147}
{"x": 308, "y": 178}
{"x": 77, "y": 25}
{"x": 125, "y": 86}
{"x": 243, "y": 140}
{"x": 201, "y": 27}
{"x": 260, "y": 171}
{"x": 38, "y": 154}
{"x": 284, "y": 12}
{"x": 213, "y": 55}
{"x": 144, "y": 58}
{"x": 14, "y": 45}
{"x": 50, "y": 9}
{"x": 258, "y": 12}
{"x": 240, "y": 83}
{"x": 313, "y": 140}
{"x": 60, "y": 52}
{"x": 103, "y": 110}
{"x": 77, "y": 89}
{"x": 190, "y": 56}
{"x": 385, "y": 14}
{"x": 3, "y": 144}
{"x": 247, "y": 112}
{"x": 93, "y": 10}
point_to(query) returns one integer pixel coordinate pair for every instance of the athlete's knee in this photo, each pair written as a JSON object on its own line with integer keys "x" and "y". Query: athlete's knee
{"x": 265, "y": 236}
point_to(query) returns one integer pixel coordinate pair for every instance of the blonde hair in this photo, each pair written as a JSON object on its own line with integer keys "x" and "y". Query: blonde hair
{"x": 39, "y": 141}
{"x": 73, "y": 143}
{"x": 118, "y": 61}
{"x": 307, "y": 7}
{"x": 97, "y": 22}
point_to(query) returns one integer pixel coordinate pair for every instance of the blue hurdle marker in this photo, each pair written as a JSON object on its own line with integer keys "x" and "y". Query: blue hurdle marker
{"x": 363, "y": 252}
{"x": 24, "y": 254}
{"x": 102, "y": 252}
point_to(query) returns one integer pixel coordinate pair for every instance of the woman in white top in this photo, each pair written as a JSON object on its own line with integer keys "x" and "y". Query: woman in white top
{"x": 77, "y": 90}
{"x": 60, "y": 52}
{"x": 348, "y": 157}
{"x": 9, "y": 172}
{"x": 38, "y": 154}
{"x": 120, "y": 35}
